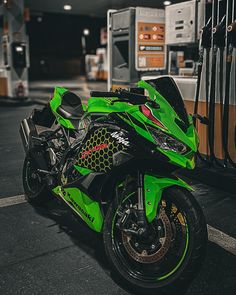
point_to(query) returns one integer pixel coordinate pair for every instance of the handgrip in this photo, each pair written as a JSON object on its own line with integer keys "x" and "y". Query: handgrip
{"x": 127, "y": 94}
{"x": 104, "y": 94}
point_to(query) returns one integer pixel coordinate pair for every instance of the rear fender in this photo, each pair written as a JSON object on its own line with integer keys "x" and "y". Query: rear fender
{"x": 153, "y": 189}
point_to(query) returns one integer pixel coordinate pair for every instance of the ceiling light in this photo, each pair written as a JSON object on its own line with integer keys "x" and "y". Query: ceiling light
{"x": 67, "y": 7}
{"x": 166, "y": 3}
{"x": 86, "y": 32}
{"x": 19, "y": 48}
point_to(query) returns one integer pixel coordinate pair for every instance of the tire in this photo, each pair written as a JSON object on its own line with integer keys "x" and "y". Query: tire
{"x": 133, "y": 274}
{"x": 36, "y": 190}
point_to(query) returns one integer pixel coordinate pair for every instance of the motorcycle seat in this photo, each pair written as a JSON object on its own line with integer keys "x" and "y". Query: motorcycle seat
{"x": 71, "y": 106}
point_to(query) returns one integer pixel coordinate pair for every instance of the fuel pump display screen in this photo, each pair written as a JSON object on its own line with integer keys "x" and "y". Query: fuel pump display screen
{"x": 183, "y": 22}
{"x": 150, "y": 39}
{"x": 19, "y": 55}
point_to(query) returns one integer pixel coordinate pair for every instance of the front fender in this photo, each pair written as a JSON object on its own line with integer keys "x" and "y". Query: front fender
{"x": 153, "y": 189}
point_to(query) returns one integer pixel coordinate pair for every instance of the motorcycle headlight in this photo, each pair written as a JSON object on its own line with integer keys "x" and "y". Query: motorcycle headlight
{"x": 167, "y": 142}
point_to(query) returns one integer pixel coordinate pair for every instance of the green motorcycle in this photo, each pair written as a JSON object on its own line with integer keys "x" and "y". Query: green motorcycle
{"x": 112, "y": 163}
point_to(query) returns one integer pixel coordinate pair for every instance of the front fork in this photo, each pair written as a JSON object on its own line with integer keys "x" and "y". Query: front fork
{"x": 142, "y": 224}
{"x": 142, "y": 221}
{"x": 150, "y": 189}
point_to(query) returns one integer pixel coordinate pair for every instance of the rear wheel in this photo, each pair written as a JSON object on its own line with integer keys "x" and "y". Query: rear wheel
{"x": 36, "y": 190}
{"x": 170, "y": 256}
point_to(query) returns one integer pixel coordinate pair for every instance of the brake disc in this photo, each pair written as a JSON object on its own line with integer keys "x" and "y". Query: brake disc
{"x": 143, "y": 256}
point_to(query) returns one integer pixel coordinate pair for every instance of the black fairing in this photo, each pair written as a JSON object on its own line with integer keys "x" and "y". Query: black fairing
{"x": 167, "y": 87}
{"x": 90, "y": 184}
{"x": 104, "y": 147}
{"x": 126, "y": 147}
{"x": 112, "y": 149}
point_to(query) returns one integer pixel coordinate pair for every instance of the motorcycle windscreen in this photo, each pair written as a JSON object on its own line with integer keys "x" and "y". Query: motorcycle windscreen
{"x": 167, "y": 87}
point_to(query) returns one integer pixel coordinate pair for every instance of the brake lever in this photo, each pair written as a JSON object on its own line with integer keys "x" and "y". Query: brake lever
{"x": 203, "y": 120}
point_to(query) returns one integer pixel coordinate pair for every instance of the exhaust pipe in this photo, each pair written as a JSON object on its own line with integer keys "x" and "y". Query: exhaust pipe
{"x": 30, "y": 139}
{"x": 27, "y": 130}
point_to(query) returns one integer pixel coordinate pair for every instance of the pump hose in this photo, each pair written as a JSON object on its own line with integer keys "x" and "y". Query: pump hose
{"x": 231, "y": 31}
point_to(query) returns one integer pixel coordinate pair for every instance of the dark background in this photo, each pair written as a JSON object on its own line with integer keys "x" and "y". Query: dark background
{"x": 55, "y": 43}
{"x": 55, "y": 35}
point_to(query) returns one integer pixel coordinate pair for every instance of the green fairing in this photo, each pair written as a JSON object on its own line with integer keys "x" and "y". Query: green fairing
{"x": 167, "y": 116}
{"x": 182, "y": 161}
{"x": 186, "y": 161}
{"x": 105, "y": 105}
{"x": 86, "y": 208}
{"x": 82, "y": 170}
{"x": 153, "y": 188}
{"x": 143, "y": 132}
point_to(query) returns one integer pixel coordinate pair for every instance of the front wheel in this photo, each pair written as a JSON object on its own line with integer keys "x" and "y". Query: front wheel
{"x": 170, "y": 256}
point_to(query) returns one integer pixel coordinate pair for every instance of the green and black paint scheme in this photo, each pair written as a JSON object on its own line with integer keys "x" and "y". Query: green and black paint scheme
{"x": 112, "y": 162}
{"x": 121, "y": 136}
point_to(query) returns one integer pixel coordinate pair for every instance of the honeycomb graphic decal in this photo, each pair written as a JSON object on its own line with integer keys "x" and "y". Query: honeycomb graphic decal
{"x": 97, "y": 152}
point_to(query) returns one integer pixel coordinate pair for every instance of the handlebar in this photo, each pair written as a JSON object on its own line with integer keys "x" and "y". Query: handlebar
{"x": 103, "y": 94}
{"x": 122, "y": 95}
{"x": 126, "y": 96}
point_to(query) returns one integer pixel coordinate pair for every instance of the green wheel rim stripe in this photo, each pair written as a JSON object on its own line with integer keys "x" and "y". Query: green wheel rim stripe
{"x": 181, "y": 260}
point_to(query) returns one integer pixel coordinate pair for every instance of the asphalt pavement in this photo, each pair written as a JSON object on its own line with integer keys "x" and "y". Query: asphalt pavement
{"x": 49, "y": 251}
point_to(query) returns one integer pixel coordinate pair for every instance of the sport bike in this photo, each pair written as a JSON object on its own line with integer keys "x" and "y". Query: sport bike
{"x": 112, "y": 162}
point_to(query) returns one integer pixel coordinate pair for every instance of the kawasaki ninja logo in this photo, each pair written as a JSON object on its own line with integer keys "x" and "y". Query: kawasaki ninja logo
{"x": 94, "y": 149}
{"x": 76, "y": 206}
{"x": 118, "y": 135}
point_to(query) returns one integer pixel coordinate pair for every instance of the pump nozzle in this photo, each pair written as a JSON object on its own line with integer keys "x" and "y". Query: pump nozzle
{"x": 219, "y": 33}
{"x": 205, "y": 41}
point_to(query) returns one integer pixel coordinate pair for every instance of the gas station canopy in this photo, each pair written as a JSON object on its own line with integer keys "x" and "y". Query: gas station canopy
{"x": 98, "y": 8}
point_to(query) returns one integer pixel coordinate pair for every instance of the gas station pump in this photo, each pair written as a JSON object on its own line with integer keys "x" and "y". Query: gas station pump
{"x": 15, "y": 68}
{"x": 136, "y": 44}
{"x": 15, "y": 53}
